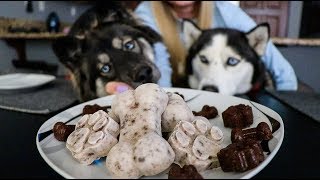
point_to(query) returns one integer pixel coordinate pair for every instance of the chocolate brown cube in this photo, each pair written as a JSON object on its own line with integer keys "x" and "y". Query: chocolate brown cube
{"x": 241, "y": 156}
{"x": 238, "y": 116}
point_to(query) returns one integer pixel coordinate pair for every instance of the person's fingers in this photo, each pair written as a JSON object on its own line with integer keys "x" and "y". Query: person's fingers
{"x": 116, "y": 87}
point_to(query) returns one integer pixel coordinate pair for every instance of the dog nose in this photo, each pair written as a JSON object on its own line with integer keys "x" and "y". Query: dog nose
{"x": 144, "y": 74}
{"x": 210, "y": 88}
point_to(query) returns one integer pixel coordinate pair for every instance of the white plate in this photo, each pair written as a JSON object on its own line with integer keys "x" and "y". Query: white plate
{"x": 59, "y": 158}
{"x": 18, "y": 81}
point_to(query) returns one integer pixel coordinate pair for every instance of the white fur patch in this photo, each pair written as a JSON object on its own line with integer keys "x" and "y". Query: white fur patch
{"x": 117, "y": 43}
{"x": 147, "y": 49}
{"x": 100, "y": 88}
{"x": 228, "y": 79}
{"x": 103, "y": 58}
{"x": 190, "y": 32}
{"x": 258, "y": 39}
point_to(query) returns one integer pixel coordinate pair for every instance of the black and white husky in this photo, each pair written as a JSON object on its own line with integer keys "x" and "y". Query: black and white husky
{"x": 226, "y": 60}
{"x": 107, "y": 43}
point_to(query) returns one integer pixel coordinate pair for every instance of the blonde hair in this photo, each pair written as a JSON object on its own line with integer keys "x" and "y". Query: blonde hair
{"x": 167, "y": 24}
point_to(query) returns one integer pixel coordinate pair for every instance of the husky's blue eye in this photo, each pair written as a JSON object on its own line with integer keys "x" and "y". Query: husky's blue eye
{"x": 204, "y": 60}
{"x": 232, "y": 61}
{"x": 105, "y": 68}
{"x": 129, "y": 45}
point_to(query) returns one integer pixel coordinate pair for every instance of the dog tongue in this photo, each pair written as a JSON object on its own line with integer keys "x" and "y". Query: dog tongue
{"x": 116, "y": 87}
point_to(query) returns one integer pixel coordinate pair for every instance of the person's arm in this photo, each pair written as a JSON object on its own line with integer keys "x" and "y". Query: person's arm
{"x": 144, "y": 13}
{"x": 280, "y": 69}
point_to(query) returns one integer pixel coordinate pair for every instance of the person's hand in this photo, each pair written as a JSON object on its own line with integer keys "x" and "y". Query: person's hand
{"x": 115, "y": 87}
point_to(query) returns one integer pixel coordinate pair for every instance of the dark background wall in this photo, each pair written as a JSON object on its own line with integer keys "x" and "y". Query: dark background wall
{"x": 310, "y": 26}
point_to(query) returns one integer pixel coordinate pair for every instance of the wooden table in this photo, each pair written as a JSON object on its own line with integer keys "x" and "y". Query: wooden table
{"x": 296, "y": 41}
{"x": 18, "y": 42}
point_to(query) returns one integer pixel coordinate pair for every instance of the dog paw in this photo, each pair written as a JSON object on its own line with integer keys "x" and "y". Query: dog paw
{"x": 95, "y": 134}
{"x": 196, "y": 143}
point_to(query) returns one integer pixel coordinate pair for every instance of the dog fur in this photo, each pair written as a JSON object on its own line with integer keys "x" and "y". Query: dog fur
{"x": 226, "y": 60}
{"x": 107, "y": 43}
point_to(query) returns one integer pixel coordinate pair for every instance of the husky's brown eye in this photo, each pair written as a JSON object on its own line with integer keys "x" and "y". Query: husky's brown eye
{"x": 232, "y": 61}
{"x": 204, "y": 60}
{"x": 129, "y": 45}
{"x": 105, "y": 68}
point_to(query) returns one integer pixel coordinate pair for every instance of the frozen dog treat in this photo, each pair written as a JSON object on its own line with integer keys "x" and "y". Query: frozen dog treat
{"x": 196, "y": 143}
{"x": 207, "y": 111}
{"x": 237, "y": 116}
{"x": 141, "y": 150}
{"x": 241, "y": 156}
{"x": 259, "y": 133}
{"x": 177, "y": 110}
{"x": 187, "y": 172}
{"x": 90, "y": 109}
{"x": 94, "y": 136}
{"x": 61, "y": 131}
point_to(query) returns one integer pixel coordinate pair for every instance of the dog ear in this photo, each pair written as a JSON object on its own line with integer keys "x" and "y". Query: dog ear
{"x": 191, "y": 32}
{"x": 68, "y": 50}
{"x": 83, "y": 25}
{"x": 258, "y": 37}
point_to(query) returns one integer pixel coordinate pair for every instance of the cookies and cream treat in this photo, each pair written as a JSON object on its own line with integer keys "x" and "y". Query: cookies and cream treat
{"x": 196, "y": 143}
{"x": 95, "y": 134}
{"x": 141, "y": 150}
{"x": 177, "y": 110}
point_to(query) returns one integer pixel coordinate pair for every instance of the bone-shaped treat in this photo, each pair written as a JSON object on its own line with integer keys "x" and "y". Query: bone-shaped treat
{"x": 94, "y": 136}
{"x": 196, "y": 143}
{"x": 61, "y": 131}
{"x": 177, "y": 110}
{"x": 90, "y": 109}
{"x": 141, "y": 150}
{"x": 261, "y": 132}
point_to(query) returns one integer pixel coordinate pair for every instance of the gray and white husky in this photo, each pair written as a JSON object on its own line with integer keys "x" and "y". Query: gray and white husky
{"x": 226, "y": 60}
